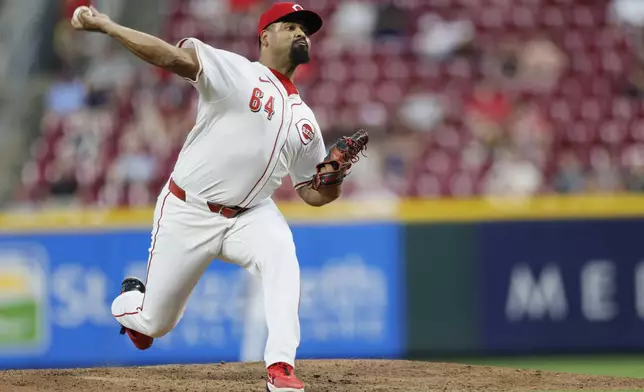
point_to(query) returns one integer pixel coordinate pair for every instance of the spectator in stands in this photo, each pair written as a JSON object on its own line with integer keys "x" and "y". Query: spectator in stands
{"x": 70, "y": 47}
{"x": 629, "y": 14}
{"x": 138, "y": 194}
{"x": 439, "y": 39}
{"x": 634, "y": 168}
{"x": 368, "y": 183}
{"x": 421, "y": 111}
{"x": 635, "y": 84}
{"x": 134, "y": 164}
{"x": 108, "y": 71}
{"x": 540, "y": 64}
{"x": 149, "y": 124}
{"x": 353, "y": 23}
{"x": 208, "y": 9}
{"x": 66, "y": 95}
{"x": 391, "y": 21}
{"x": 503, "y": 63}
{"x": 175, "y": 102}
{"x": 131, "y": 175}
{"x": 605, "y": 175}
{"x": 62, "y": 182}
{"x": 570, "y": 176}
{"x": 534, "y": 65}
{"x": 399, "y": 154}
{"x": 487, "y": 114}
{"x": 512, "y": 175}
{"x": 395, "y": 173}
{"x": 530, "y": 133}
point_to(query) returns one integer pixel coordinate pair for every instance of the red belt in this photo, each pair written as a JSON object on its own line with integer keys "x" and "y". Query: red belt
{"x": 228, "y": 212}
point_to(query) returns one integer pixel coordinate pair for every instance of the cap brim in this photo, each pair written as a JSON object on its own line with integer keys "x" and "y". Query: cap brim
{"x": 309, "y": 19}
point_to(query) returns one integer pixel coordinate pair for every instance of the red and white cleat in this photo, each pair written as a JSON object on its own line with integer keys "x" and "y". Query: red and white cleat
{"x": 282, "y": 379}
{"x": 141, "y": 341}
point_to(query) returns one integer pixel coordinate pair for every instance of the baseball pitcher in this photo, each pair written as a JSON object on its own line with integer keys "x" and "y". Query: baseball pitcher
{"x": 252, "y": 129}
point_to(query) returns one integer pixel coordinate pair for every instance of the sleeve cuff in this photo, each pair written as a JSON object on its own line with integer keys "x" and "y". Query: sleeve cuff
{"x": 192, "y": 43}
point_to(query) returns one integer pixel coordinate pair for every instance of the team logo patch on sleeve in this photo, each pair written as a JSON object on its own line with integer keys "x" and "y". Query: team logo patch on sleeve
{"x": 306, "y": 131}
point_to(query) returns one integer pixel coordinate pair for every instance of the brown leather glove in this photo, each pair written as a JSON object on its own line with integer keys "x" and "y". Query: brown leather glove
{"x": 341, "y": 156}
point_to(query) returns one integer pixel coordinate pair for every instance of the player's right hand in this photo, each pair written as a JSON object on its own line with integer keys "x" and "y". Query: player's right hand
{"x": 91, "y": 20}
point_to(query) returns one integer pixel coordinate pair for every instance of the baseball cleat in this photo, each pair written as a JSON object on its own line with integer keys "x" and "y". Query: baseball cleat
{"x": 142, "y": 342}
{"x": 282, "y": 379}
{"x": 131, "y": 284}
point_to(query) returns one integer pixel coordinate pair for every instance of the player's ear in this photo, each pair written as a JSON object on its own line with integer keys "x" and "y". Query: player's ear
{"x": 263, "y": 39}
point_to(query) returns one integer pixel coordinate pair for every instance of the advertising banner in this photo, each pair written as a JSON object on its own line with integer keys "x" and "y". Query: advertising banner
{"x": 561, "y": 285}
{"x": 56, "y": 291}
{"x": 441, "y": 288}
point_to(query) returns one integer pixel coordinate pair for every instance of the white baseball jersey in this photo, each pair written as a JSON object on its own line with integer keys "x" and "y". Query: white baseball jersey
{"x": 252, "y": 130}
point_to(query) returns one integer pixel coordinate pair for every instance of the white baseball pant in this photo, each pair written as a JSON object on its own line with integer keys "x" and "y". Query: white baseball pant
{"x": 186, "y": 237}
{"x": 254, "y": 338}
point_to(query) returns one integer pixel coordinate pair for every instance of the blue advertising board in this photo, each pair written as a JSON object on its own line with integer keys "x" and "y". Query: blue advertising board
{"x": 56, "y": 291}
{"x": 561, "y": 285}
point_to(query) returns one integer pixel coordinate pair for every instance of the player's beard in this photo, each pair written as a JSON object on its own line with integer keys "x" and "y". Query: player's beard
{"x": 299, "y": 54}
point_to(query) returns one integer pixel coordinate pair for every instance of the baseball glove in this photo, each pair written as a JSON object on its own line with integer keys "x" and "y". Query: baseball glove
{"x": 342, "y": 154}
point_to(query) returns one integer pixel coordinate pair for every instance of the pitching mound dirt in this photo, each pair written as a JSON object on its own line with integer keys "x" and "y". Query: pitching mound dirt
{"x": 332, "y": 376}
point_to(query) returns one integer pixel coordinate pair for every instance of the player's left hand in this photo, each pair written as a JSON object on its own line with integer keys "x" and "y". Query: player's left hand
{"x": 342, "y": 154}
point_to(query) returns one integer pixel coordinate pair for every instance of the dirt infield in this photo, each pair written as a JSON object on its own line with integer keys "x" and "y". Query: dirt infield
{"x": 331, "y": 376}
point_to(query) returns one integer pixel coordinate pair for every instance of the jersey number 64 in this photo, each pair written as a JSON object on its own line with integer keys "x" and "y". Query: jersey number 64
{"x": 256, "y": 103}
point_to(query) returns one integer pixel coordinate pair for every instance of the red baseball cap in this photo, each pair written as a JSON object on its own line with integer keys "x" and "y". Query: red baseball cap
{"x": 290, "y": 12}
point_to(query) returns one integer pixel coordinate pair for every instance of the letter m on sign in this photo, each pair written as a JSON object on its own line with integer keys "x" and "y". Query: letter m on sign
{"x": 535, "y": 298}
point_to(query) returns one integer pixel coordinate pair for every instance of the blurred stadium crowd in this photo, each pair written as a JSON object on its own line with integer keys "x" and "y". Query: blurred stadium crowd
{"x": 462, "y": 97}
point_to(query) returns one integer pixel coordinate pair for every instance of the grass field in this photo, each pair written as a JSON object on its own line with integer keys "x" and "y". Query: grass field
{"x": 623, "y": 366}
{"x": 620, "y": 366}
